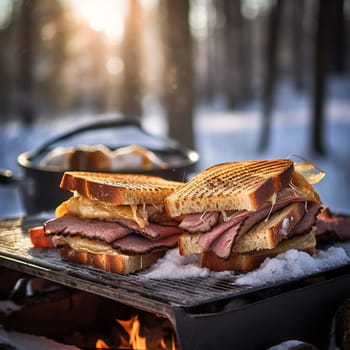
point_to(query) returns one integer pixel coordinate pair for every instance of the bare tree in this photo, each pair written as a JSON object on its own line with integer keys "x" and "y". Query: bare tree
{"x": 6, "y": 81}
{"x": 237, "y": 62}
{"x": 178, "y": 72}
{"x": 270, "y": 72}
{"x": 132, "y": 83}
{"x": 25, "y": 78}
{"x": 297, "y": 10}
{"x": 326, "y": 23}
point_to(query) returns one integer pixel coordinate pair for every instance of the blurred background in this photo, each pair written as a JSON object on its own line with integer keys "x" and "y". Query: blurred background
{"x": 232, "y": 79}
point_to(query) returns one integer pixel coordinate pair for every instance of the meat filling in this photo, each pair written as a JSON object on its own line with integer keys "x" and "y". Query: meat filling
{"x": 126, "y": 236}
{"x": 219, "y": 231}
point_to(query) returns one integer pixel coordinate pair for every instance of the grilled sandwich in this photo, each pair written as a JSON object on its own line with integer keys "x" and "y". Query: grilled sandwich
{"x": 116, "y": 222}
{"x": 236, "y": 214}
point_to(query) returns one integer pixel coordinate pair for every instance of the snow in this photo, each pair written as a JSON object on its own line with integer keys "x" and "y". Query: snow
{"x": 293, "y": 264}
{"x": 175, "y": 266}
{"x": 288, "y": 345}
{"x": 8, "y": 306}
{"x": 21, "y": 341}
{"x": 283, "y": 267}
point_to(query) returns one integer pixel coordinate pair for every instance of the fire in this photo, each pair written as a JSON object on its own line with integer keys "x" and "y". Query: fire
{"x": 132, "y": 327}
{"x": 165, "y": 346}
{"x": 100, "y": 344}
{"x": 135, "y": 341}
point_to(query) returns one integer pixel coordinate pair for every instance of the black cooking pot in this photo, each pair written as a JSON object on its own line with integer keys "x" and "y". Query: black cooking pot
{"x": 40, "y": 184}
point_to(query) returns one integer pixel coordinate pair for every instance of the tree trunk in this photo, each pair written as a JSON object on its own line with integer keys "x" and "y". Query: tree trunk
{"x": 298, "y": 43}
{"x": 236, "y": 73}
{"x": 178, "y": 74}
{"x": 322, "y": 53}
{"x": 25, "y": 79}
{"x": 131, "y": 101}
{"x": 270, "y": 72}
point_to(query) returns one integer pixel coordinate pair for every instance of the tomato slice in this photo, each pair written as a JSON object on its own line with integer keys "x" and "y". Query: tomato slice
{"x": 38, "y": 238}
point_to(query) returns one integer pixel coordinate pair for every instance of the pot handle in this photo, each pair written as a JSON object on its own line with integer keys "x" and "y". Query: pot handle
{"x": 171, "y": 144}
{"x": 7, "y": 177}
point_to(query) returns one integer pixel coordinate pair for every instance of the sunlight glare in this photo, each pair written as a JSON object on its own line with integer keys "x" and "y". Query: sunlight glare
{"x": 107, "y": 16}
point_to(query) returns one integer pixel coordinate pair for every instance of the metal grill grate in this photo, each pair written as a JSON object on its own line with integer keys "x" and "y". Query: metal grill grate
{"x": 16, "y": 249}
{"x": 135, "y": 289}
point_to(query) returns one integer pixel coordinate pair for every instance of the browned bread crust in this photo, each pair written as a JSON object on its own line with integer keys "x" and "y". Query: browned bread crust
{"x": 129, "y": 189}
{"x": 116, "y": 263}
{"x": 268, "y": 233}
{"x": 231, "y": 186}
{"x": 250, "y": 261}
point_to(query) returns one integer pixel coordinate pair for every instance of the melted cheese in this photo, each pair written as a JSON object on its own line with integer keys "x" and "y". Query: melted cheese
{"x": 61, "y": 210}
{"x": 310, "y": 172}
{"x": 90, "y": 209}
{"x": 84, "y": 245}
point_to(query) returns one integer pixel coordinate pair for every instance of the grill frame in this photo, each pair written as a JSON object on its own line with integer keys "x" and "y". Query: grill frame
{"x": 188, "y": 304}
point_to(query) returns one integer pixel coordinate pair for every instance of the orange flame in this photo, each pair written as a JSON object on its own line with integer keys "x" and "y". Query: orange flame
{"x": 100, "y": 344}
{"x": 132, "y": 327}
{"x": 135, "y": 342}
{"x": 164, "y": 345}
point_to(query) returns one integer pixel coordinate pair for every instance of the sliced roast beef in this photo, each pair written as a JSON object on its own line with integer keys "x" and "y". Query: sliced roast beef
{"x": 221, "y": 237}
{"x": 245, "y": 219}
{"x": 153, "y": 230}
{"x": 206, "y": 239}
{"x": 222, "y": 246}
{"x": 308, "y": 220}
{"x": 106, "y": 231}
{"x": 136, "y": 244}
{"x": 205, "y": 222}
{"x": 262, "y": 214}
{"x": 328, "y": 222}
{"x": 202, "y": 222}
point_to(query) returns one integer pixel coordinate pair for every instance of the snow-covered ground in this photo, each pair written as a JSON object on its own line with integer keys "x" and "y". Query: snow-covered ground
{"x": 222, "y": 135}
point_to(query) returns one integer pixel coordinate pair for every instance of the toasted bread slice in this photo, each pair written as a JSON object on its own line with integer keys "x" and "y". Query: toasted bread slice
{"x": 249, "y": 261}
{"x": 268, "y": 233}
{"x": 118, "y": 263}
{"x": 188, "y": 244}
{"x": 128, "y": 189}
{"x": 231, "y": 186}
{"x": 103, "y": 256}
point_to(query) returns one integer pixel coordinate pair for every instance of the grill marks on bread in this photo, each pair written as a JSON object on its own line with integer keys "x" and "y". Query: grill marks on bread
{"x": 277, "y": 207}
{"x": 227, "y": 186}
{"x": 121, "y": 246}
{"x": 119, "y": 188}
